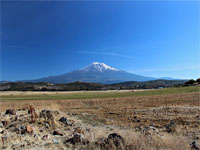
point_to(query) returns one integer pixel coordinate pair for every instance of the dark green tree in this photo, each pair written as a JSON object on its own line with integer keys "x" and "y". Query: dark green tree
{"x": 198, "y": 80}
{"x": 190, "y": 82}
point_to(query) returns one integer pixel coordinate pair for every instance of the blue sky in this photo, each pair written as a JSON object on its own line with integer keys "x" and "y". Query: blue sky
{"x": 151, "y": 38}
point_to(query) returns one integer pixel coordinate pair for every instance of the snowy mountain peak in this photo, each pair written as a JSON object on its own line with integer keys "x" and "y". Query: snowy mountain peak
{"x": 96, "y": 66}
{"x": 97, "y": 73}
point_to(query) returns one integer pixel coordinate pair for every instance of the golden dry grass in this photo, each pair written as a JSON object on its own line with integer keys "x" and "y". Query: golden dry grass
{"x": 126, "y": 114}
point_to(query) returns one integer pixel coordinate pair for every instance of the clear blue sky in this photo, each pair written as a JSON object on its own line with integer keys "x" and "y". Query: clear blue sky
{"x": 158, "y": 39}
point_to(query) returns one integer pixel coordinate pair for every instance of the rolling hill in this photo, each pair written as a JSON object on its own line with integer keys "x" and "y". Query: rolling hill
{"x": 78, "y": 86}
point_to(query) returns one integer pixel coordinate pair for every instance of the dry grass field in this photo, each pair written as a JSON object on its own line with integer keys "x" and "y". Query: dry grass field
{"x": 167, "y": 119}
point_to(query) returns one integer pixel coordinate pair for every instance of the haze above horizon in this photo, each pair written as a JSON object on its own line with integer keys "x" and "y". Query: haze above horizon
{"x": 149, "y": 38}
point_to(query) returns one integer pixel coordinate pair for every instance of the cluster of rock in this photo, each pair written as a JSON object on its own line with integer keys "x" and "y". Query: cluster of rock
{"x": 47, "y": 129}
{"x": 27, "y": 128}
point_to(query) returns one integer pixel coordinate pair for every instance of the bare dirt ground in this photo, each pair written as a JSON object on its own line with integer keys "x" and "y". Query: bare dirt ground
{"x": 164, "y": 122}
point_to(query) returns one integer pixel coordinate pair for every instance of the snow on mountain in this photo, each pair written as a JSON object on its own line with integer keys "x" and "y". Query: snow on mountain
{"x": 96, "y": 66}
{"x": 95, "y": 72}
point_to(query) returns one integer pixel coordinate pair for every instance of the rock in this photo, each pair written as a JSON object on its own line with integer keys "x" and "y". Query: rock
{"x": 10, "y": 111}
{"x": 114, "y": 141}
{"x": 1, "y": 125}
{"x": 47, "y": 125}
{"x": 45, "y": 137}
{"x": 57, "y": 133}
{"x": 22, "y": 145}
{"x": 3, "y": 132}
{"x": 138, "y": 120}
{"x": 65, "y": 121}
{"x": 194, "y": 146}
{"x": 55, "y": 141}
{"x": 5, "y": 123}
{"x": 22, "y": 129}
{"x": 117, "y": 139}
{"x": 77, "y": 138}
{"x": 171, "y": 127}
{"x": 69, "y": 123}
{"x": 47, "y": 115}
{"x": 29, "y": 129}
{"x": 149, "y": 130}
{"x": 13, "y": 128}
{"x": 35, "y": 136}
{"x": 16, "y": 117}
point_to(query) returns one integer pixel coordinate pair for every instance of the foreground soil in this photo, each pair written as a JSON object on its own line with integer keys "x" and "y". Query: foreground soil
{"x": 170, "y": 121}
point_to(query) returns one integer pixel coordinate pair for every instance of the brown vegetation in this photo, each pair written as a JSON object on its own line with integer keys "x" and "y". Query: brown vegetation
{"x": 144, "y": 122}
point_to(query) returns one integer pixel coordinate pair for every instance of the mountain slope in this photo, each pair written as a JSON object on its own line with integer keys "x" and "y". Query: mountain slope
{"x": 97, "y": 73}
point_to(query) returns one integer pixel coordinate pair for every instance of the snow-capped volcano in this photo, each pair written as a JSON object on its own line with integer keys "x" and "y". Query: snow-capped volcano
{"x": 95, "y": 72}
{"x": 96, "y": 66}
